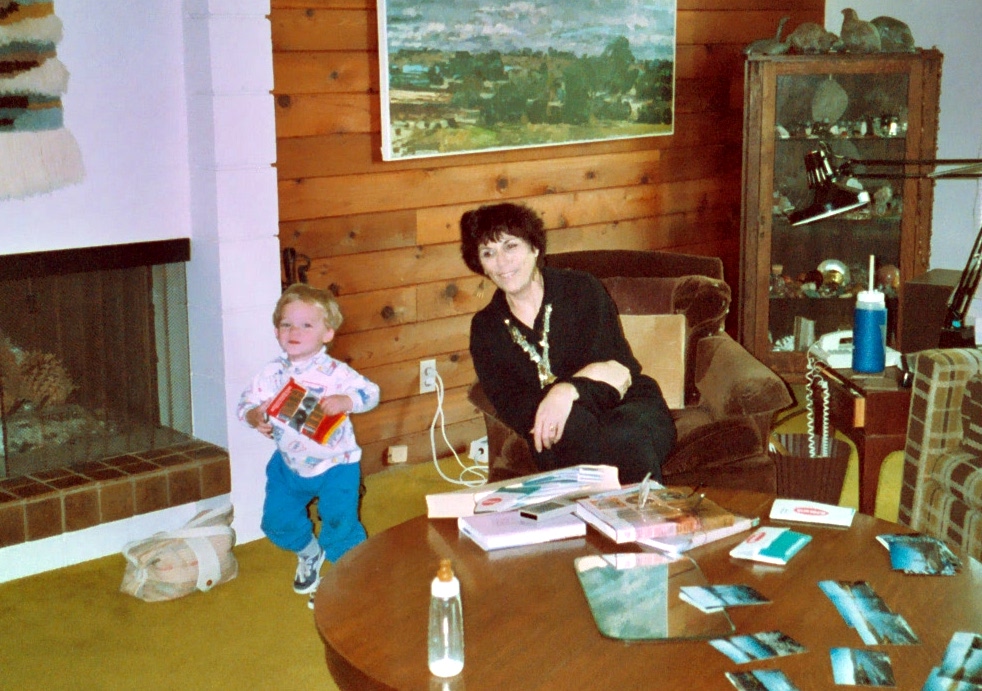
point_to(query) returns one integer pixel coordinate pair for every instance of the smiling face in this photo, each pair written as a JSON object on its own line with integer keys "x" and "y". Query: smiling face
{"x": 302, "y": 330}
{"x": 510, "y": 262}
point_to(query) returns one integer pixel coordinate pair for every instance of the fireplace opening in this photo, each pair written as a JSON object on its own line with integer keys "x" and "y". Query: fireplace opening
{"x": 94, "y": 359}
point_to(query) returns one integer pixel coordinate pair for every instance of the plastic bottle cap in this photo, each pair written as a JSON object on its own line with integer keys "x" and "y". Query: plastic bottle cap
{"x": 872, "y": 296}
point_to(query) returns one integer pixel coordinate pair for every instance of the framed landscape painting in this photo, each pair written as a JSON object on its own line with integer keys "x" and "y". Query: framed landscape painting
{"x": 465, "y": 76}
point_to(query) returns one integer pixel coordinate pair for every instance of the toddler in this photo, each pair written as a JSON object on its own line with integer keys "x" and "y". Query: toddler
{"x": 305, "y": 321}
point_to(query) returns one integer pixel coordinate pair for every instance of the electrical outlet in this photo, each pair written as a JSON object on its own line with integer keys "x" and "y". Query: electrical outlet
{"x": 479, "y": 450}
{"x": 427, "y": 376}
{"x": 397, "y": 454}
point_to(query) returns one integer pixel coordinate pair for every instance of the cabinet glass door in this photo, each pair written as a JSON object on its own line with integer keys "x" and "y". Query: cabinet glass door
{"x": 817, "y": 269}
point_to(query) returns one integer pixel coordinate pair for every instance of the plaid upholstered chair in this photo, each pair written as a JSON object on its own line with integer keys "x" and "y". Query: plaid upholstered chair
{"x": 942, "y": 481}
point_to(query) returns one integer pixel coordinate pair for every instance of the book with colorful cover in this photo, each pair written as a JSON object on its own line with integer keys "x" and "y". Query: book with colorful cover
{"x": 294, "y": 407}
{"x": 623, "y": 516}
{"x": 510, "y": 529}
{"x": 515, "y": 493}
{"x": 771, "y": 545}
{"x": 679, "y": 544}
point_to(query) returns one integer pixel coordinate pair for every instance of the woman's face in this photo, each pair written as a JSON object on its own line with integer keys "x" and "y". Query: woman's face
{"x": 509, "y": 262}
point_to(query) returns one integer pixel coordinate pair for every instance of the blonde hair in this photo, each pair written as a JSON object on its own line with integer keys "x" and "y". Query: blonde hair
{"x": 301, "y": 292}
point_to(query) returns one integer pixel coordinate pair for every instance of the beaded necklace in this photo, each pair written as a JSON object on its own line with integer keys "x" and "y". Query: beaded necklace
{"x": 541, "y": 362}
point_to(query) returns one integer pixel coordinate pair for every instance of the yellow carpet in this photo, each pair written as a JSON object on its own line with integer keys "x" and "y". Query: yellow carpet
{"x": 72, "y": 628}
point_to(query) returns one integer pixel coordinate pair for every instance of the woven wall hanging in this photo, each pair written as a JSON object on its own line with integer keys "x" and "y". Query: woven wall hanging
{"x": 37, "y": 153}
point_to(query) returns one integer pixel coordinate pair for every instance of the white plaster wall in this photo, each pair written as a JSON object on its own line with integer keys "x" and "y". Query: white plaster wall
{"x": 952, "y": 27}
{"x": 170, "y": 103}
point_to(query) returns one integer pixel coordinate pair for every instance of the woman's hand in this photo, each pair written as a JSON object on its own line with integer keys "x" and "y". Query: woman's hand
{"x": 552, "y": 414}
{"x": 258, "y": 418}
{"x": 609, "y": 372}
{"x": 336, "y": 404}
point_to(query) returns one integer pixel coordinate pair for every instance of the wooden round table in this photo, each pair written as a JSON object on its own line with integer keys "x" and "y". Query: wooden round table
{"x": 527, "y": 624}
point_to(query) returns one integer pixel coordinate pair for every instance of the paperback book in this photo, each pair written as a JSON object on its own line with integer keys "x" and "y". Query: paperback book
{"x": 771, "y": 545}
{"x": 510, "y": 529}
{"x": 675, "y": 545}
{"x": 630, "y": 514}
{"x": 804, "y": 511}
{"x": 923, "y": 555}
{"x": 294, "y": 407}
{"x": 516, "y": 493}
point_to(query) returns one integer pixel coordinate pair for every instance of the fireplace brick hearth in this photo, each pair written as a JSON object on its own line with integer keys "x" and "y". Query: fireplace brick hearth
{"x": 61, "y": 500}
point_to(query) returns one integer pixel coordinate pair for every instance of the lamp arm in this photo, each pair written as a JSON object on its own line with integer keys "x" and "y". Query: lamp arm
{"x": 961, "y": 298}
{"x": 968, "y": 167}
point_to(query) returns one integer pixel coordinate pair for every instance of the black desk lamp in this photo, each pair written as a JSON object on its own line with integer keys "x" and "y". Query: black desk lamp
{"x": 834, "y": 197}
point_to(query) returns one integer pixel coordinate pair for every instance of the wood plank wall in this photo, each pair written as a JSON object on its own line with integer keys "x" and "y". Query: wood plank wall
{"x": 383, "y": 235}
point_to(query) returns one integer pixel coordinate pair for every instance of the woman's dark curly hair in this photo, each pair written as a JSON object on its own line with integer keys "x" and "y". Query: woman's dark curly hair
{"x": 488, "y": 223}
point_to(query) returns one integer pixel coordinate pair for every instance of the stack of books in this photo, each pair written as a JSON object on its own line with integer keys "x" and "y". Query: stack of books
{"x": 511, "y": 495}
{"x": 636, "y": 513}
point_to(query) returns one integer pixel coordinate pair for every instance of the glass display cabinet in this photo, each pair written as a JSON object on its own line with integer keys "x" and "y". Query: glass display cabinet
{"x": 799, "y": 282}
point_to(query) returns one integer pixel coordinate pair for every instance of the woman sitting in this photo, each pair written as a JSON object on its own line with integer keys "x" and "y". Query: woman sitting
{"x": 552, "y": 358}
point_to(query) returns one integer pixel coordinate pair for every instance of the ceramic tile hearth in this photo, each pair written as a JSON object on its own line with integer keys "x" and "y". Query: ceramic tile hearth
{"x": 61, "y": 500}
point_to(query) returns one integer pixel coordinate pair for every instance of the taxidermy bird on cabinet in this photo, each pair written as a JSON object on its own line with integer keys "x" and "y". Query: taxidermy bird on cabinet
{"x": 858, "y": 36}
{"x": 810, "y": 38}
{"x": 895, "y": 35}
{"x": 769, "y": 46}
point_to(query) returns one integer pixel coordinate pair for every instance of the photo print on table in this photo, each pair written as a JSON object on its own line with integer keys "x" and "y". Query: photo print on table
{"x": 923, "y": 555}
{"x": 759, "y": 646}
{"x": 864, "y": 610}
{"x": 761, "y": 680}
{"x": 713, "y": 598}
{"x": 857, "y": 667}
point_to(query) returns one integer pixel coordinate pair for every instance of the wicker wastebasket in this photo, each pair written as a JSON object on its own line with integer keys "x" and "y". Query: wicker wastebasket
{"x": 799, "y": 476}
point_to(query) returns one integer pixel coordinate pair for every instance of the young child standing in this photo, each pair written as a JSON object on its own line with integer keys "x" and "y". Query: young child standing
{"x": 305, "y": 321}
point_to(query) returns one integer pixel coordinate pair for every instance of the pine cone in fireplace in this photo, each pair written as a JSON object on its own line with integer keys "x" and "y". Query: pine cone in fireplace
{"x": 11, "y": 382}
{"x": 45, "y": 379}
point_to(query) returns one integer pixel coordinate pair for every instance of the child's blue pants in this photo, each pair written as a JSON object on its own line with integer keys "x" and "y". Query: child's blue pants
{"x": 286, "y": 522}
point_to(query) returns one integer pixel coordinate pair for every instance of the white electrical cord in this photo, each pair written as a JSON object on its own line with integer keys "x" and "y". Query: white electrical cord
{"x": 478, "y": 471}
{"x": 814, "y": 378}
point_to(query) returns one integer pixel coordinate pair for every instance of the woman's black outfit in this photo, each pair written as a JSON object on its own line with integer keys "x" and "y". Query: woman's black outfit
{"x": 635, "y": 433}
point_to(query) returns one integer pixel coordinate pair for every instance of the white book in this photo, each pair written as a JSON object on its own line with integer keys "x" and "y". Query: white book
{"x": 509, "y": 529}
{"x": 803, "y": 511}
{"x": 771, "y": 545}
{"x": 512, "y": 494}
{"x": 679, "y": 544}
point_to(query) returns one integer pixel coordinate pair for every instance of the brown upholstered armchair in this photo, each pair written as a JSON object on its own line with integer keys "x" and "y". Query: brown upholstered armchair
{"x": 730, "y": 396}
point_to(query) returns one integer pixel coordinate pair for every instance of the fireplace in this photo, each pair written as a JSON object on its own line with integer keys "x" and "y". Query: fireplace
{"x": 95, "y": 402}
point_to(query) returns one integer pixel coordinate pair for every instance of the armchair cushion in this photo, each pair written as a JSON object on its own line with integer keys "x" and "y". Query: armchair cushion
{"x": 732, "y": 382}
{"x": 703, "y": 300}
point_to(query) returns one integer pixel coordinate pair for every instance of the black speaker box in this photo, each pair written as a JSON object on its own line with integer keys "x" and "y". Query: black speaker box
{"x": 923, "y": 305}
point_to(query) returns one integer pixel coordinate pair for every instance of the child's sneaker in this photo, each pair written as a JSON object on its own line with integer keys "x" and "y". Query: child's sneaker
{"x": 308, "y": 574}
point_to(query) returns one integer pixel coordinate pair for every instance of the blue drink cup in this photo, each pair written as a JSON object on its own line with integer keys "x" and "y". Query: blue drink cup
{"x": 869, "y": 332}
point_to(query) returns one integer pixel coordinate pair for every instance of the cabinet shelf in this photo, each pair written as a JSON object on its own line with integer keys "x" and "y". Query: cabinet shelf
{"x": 783, "y": 96}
